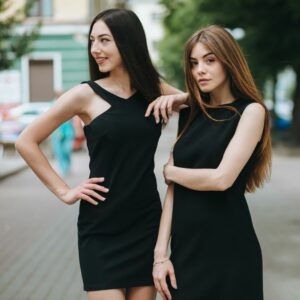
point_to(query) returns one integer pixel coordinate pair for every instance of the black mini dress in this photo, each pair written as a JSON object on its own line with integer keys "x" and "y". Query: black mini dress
{"x": 215, "y": 251}
{"x": 117, "y": 237}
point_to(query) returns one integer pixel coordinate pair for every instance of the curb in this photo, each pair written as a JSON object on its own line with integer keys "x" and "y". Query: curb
{"x": 13, "y": 172}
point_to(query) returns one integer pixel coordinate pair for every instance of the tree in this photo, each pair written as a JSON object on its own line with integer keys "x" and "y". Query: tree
{"x": 271, "y": 39}
{"x": 13, "y": 45}
{"x": 181, "y": 20}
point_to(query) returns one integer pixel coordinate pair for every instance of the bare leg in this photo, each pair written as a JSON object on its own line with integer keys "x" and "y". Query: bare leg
{"x": 142, "y": 292}
{"x": 116, "y": 294}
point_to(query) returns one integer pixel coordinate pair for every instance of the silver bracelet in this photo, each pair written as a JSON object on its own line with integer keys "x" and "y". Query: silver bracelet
{"x": 160, "y": 261}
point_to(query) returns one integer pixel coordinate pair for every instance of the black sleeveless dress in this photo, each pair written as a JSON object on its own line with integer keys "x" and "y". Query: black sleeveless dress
{"x": 116, "y": 238}
{"x": 215, "y": 251}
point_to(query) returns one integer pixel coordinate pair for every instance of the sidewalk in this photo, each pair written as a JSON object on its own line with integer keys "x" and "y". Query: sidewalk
{"x": 10, "y": 165}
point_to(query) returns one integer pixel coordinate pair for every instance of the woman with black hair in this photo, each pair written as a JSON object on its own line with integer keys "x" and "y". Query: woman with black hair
{"x": 120, "y": 206}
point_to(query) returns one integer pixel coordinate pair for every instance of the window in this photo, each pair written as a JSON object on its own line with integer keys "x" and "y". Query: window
{"x": 156, "y": 16}
{"x": 41, "y": 8}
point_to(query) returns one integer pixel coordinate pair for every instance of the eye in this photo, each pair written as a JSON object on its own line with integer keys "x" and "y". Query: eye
{"x": 210, "y": 60}
{"x": 104, "y": 40}
{"x": 193, "y": 63}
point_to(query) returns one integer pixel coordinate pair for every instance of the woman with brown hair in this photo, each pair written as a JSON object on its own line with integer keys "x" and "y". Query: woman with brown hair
{"x": 223, "y": 149}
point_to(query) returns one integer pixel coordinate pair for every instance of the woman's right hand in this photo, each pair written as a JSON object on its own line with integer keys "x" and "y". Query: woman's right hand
{"x": 160, "y": 273}
{"x": 164, "y": 106}
{"x": 85, "y": 191}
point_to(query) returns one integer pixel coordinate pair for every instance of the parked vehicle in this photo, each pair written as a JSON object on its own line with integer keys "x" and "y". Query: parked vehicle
{"x": 14, "y": 120}
{"x": 27, "y": 112}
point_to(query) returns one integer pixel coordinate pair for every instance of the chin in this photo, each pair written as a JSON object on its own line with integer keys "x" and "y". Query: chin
{"x": 205, "y": 90}
{"x": 104, "y": 69}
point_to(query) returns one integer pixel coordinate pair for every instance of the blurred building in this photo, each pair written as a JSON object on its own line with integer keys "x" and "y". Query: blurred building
{"x": 59, "y": 60}
{"x": 151, "y": 14}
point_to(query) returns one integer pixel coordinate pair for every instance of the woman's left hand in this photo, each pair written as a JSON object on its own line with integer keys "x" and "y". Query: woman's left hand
{"x": 165, "y": 105}
{"x": 167, "y": 167}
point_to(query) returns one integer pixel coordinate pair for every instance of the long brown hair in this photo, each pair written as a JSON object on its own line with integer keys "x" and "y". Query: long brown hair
{"x": 130, "y": 38}
{"x": 242, "y": 86}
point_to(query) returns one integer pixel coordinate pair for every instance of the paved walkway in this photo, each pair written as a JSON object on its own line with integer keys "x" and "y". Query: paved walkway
{"x": 11, "y": 165}
{"x": 38, "y": 250}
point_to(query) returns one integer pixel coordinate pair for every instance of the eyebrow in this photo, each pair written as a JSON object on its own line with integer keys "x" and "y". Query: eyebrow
{"x": 209, "y": 53}
{"x": 101, "y": 35}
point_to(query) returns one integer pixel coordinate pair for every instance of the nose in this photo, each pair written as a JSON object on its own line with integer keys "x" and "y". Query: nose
{"x": 95, "y": 48}
{"x": 200, "y": 68}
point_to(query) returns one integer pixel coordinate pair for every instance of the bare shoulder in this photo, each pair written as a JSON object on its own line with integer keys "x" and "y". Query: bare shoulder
{"x": 254, "y": 111}
{"x": 77, "y": 98}
{"x": 80, "y": 92}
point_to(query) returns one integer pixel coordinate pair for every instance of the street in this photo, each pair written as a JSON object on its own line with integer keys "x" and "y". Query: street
{"x": 38, "y": 250}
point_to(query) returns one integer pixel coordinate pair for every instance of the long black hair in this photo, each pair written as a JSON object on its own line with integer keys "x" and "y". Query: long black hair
{"x": 130, "y": 38}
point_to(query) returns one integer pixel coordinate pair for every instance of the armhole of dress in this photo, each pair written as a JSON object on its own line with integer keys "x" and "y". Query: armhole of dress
{"x": 97, "y": 90}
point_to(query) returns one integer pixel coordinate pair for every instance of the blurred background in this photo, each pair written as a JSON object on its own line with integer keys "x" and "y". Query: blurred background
{"x": 43, "y": 50}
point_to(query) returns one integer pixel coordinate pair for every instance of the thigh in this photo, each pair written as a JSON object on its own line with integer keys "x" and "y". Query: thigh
{"x": 116, "y": 294}
{"x": 143, "y": 292}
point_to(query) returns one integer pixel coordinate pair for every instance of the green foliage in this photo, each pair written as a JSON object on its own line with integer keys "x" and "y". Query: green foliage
{"x": 181, "y": 20}
{"x": 12, "y": 45}
{"x": 271, "y": 41}
{"x": 272, "y": 35}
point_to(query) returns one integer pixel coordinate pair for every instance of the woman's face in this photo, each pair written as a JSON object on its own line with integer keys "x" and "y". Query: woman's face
{"x": 206, "y": 69}
{"x": 104, "y": 49}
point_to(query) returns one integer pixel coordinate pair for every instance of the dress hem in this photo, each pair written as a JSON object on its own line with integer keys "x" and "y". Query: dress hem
{"x": 91, "y": 288}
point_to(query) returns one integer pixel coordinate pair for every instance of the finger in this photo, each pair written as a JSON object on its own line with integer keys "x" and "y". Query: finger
{"x": 159, "y": 289}
{"x": 149, "y": 109}
{"x": 156, "y": 112}
{"x": 88, "y": 199}
{"x": 164, "y": 113}
{"x": 95, "y": 179}
{"x": 93, "y": 194}
{"x": 157, "y": 286}
{"x": 96, "y": 187}
{"x": 170, "y": 108}
{"x": 173, "y": 278}
{"x": 165, "y": 288}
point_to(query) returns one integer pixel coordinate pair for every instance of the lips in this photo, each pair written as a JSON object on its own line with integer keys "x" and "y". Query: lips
{"x": 100, "y": 60}
{"x": 203, "y": 81}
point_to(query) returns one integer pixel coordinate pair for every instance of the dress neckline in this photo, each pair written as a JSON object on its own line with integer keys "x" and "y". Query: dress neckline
{"x": 114, "y": 95}
{"x": 229, "y": 103}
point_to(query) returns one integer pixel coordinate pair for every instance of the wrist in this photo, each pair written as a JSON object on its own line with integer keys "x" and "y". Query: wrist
{"x": 61, "y": 191}
{"x": 170, "y": 174}
{"x": 160, "y": 254}
{"x": 160, "y": 261}
{"x": 182, "y": 97}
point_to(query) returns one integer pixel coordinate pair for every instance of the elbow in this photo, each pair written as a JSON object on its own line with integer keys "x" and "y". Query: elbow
{"x": 20, "y": 144}
{"x": 223, "y": 183}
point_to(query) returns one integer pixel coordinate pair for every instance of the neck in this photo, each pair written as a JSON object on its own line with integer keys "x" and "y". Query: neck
{"x": 120, "y": 77}
{"x": 221, "y": 95}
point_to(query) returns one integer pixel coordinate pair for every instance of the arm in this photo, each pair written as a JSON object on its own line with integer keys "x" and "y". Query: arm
{"x": 161, "y": 247}
{"x": 237, "y": 153}
{"x": 162, "y": 265}
{"x": 28, "y": 143}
